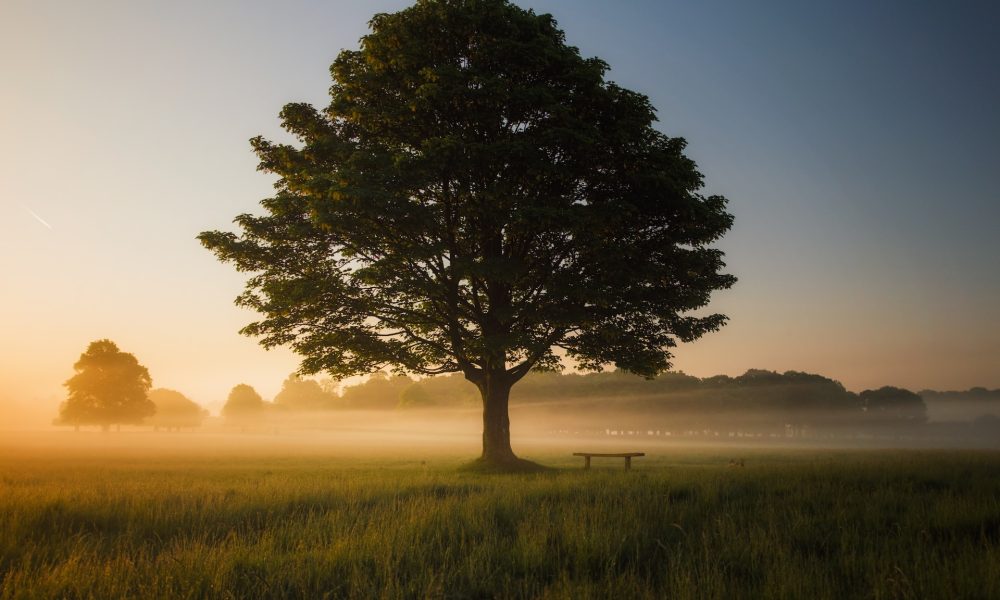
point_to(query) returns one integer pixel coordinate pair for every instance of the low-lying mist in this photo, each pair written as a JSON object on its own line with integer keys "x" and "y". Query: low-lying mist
{"x": 399, "y": 416}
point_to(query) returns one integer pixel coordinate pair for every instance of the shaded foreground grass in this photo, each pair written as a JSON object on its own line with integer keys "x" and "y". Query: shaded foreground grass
{"x": 679, "y": 525}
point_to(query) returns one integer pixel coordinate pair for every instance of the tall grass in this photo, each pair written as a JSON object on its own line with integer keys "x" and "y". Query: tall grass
{"x": 679, "y": 525}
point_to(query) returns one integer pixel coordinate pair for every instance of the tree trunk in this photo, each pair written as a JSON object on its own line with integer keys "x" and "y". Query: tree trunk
{"x": 495, "y": 390}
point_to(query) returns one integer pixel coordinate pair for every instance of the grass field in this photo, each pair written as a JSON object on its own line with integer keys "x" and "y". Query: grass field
{"x": 285, "y": 522}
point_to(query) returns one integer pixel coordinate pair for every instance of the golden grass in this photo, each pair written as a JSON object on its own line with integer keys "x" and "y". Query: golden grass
{"x": 291, "y": 522}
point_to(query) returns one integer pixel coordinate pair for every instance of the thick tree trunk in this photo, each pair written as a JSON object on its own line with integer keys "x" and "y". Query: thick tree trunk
{"x": 495, "y": 390}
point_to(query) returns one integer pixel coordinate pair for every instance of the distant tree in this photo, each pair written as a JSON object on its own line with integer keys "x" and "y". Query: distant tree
{"x": 379, "y": 391}
{"x": 331, "y": 386}
{"x": 110, "y": 388}
{"x": 300, "y": 394}
{"x": 893, "y": 405}
{"x": 476, "y": 197}
{"x": 445, "y": 390}
{"x": 416, "y": 396}
{"x": 800, "y": 398}
{"x": 244, "y": 405}
{"x": 543, "y": 386}
{"x": 174, "y": 410}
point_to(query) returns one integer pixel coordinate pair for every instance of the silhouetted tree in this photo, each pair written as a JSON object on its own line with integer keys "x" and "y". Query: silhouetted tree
{"x": 893, "y": 405}
{"x": 174, "y": 410}
{"x": 110, "y": 388}
{"x": 475, "y": 196}
{"x": 244, "y": 405}
{"x": 303, "y": 394}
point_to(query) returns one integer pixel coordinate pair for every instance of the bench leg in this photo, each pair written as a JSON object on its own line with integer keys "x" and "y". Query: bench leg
{"x": 586, "y": 462}
{"x": 628, "y": 463}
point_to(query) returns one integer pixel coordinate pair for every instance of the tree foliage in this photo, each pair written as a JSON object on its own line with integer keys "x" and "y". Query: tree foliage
{"x": 477, "y": 190}
{"x": 442, "y": 390}
{"x": 416, "y": 396}
{"x": 174, "y": 410}
{"x": 298, "y": 394}
{"x": 892, "y": 404}
{"x": 110, "y": 387}
{"x": 380, "y": 391}
{"x": 243, "y": 403}
{"x": 477, "y": 198}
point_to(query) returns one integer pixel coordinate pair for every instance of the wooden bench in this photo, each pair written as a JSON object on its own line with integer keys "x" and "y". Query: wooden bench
{"x": 626, "y": 455}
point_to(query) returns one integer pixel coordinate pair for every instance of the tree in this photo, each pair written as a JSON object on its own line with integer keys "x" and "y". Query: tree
{"x": 893, "y": 405}
{"x": 303, "y": 394}
{"x": 110, "y": 388}
{"x": 443, "y": 390}
{"x": 174, "y": 410}
{"x": 243, "y": 405}
{"x": 416, "y": 396}
{"x": 477, "y": 198}
{"x": 379, "y": 392}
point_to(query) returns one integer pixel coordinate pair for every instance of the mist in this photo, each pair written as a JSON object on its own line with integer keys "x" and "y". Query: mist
{"x": 403, "y": 417}
{"x": 17, "y": 414}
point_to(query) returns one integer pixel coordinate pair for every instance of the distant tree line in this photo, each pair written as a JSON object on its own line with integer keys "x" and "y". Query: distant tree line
{"x": 758, "y": 398}
{"x": 111, "y": 388}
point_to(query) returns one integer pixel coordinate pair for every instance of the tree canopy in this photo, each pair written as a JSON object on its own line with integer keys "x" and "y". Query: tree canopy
{"x": 174, "y": 410}
{"x": 243, "y": 403}
{"x": 303, "y": 394}
{"x": 380, "y": 391}
{"x": 893, "y": 404}
{"x": 478, "y": 198}
{"x": 110, "y": 387}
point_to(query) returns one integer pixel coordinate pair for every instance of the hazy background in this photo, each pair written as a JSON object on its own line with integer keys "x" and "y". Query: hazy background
{"x": 855, "y": 140}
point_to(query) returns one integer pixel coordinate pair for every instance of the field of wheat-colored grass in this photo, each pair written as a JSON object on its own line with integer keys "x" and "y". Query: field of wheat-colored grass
{"x": 285, "y": 522}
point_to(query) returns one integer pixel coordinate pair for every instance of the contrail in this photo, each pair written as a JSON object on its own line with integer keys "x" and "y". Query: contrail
{"x": 34, "y": 214}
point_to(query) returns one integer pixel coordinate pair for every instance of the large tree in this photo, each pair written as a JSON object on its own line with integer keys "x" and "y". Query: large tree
{"x": 477, "y": 198}
{"x": 110, "y": 387}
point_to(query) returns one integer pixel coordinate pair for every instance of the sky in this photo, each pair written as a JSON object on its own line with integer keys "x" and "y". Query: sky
{"x": 856, "y": 141}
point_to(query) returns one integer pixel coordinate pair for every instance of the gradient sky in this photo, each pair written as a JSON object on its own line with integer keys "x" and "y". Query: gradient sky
{"x": 857, "y": 143}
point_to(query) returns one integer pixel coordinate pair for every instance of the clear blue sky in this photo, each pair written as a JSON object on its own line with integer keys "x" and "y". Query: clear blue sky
{"x": 857, "y": 142}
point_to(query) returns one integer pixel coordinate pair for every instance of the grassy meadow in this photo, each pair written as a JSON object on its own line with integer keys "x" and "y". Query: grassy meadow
{"x": 105, "y": 520}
